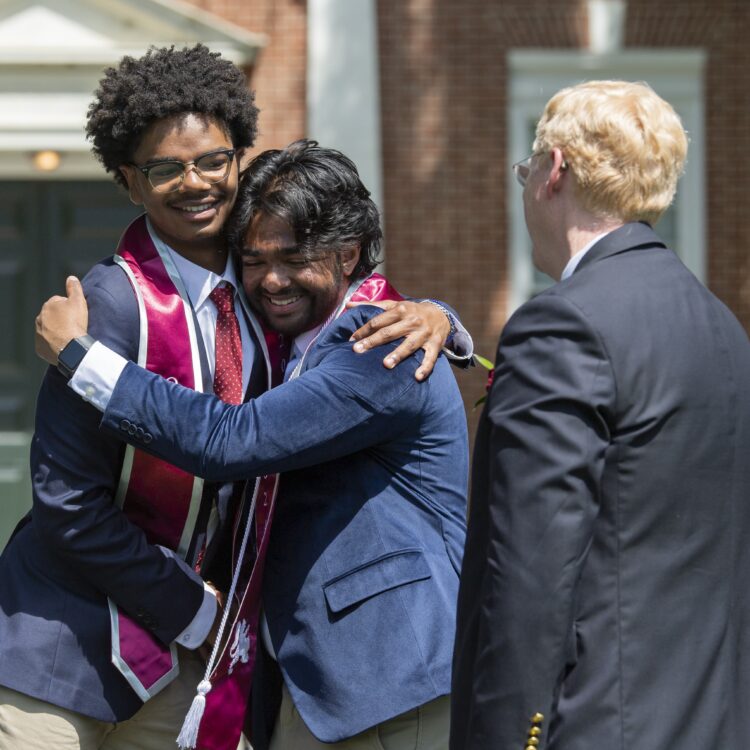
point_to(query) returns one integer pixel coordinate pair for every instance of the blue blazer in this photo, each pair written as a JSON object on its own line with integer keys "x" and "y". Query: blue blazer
{"x": 362, "y": 572}
{"x": 76, "y": 547}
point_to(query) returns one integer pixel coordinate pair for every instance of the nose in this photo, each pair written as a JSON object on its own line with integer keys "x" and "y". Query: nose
{"x": 193, "y": 179}
{"x": 276, "y": 279}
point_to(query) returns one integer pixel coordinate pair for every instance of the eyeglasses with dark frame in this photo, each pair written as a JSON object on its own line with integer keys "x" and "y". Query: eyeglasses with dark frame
{"x": 522, "y": 169}
{"x": 168, "y": 175}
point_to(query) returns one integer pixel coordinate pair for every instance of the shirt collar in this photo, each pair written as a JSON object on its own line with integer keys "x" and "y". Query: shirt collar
{"x": 199, "y": 282}
{"x": 572, "y": 264}
{"x": 304, "y": 340}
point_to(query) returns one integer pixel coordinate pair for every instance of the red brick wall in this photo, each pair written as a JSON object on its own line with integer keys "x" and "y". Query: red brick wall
{"x": 722, "y": 28}
{"x": 443, "y": 89}
{"x": 443, "y": 93}
{"x": 280, "y": 74}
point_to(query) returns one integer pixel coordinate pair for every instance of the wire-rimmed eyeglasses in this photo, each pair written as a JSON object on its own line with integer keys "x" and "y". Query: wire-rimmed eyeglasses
{"x": 522, "y": 169}
{"x": 167, "y": 176}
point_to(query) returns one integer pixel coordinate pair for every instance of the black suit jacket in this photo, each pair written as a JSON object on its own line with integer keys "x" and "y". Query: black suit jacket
{"x": 606, "y": 577}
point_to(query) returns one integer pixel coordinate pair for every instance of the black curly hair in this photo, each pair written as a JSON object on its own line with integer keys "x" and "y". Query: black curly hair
{"x": 318, "y": 193}
{"x": 162, "y": 83}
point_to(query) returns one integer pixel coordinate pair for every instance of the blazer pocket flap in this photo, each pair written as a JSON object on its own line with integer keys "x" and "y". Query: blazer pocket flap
{"x": 374, "y": 577}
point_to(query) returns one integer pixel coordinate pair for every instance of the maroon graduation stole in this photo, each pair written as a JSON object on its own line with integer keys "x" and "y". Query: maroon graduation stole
{"x": 156, "y": 496}
{"x": 227, "y": 691}
{"x": 217, "y": 715}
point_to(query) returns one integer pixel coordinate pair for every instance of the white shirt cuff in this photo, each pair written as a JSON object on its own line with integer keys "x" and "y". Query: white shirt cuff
{"x": 197, "y": 631}
{"x": 198, "y": 628}
{"x": 96, "y": 376}
{"x": 462, "y": 346}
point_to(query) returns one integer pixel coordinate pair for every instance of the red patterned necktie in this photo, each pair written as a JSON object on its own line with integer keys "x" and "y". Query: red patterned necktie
{"x": 228, "y": 372}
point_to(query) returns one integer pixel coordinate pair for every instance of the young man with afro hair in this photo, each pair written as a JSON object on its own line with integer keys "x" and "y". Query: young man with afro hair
{"x": 102, "y": 608}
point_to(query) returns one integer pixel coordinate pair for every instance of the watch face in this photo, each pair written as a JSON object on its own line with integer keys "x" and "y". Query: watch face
{"x": 70, "y": 357}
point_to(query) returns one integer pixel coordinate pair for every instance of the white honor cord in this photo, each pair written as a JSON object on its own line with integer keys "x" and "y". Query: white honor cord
{"x": 188, "y": 736}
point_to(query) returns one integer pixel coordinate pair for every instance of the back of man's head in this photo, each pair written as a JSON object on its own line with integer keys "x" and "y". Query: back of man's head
{"x": 163, "y": 83}
{"x": 623, "y": 143}
{"x": 318, "y": 193}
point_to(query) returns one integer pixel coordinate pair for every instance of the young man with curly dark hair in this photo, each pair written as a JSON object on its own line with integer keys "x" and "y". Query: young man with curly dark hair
{"x": 102, "y": 609}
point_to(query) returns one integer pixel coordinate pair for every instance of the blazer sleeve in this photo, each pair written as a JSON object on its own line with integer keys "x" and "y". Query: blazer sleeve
{"x": 538, "y": 467}
{"x": 75, "y": 473}
{"x": 345, "y": 403}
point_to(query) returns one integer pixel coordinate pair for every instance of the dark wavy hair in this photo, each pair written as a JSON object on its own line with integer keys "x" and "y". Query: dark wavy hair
{"x": 162, "y": 83}
{"x": 318, "y": 193}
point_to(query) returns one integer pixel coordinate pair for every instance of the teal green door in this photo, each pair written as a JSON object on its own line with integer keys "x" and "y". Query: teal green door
{"x": 47, "y": 231}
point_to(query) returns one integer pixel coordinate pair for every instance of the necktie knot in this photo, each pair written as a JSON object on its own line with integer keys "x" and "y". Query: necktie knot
{"x": 223, "y": 297}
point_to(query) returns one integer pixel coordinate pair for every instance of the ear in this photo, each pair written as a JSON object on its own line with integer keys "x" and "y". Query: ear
{"x": 128, "y": 171}
{"x": 349, "y": 258}
{"x": 557, "y": 172}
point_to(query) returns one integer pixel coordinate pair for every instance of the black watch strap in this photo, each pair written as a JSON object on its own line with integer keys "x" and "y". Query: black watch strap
{"x": 71, "y": 355}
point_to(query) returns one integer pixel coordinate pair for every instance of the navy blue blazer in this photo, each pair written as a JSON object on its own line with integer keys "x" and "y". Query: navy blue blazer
{"x": 605, "y": 580}
{"x": 76, "y": 547}
{"x": 363, "y": 567}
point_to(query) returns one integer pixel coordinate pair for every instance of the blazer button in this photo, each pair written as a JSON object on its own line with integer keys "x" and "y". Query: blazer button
{"x": 534, "y": 732}
{"x": 124, "y": 424}
{"x": 537, "y": 718}
{"x": 532, "y": 742}
{"x": 147, "y": 437}
{"x": 139, "y": 433}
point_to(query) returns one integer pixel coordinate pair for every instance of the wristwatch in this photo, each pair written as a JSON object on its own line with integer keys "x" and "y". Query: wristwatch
{"x": 451, "y": 319}
{"x": 72, "y": 353}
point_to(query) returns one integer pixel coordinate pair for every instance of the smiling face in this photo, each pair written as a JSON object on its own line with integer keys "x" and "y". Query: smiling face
{"x": 190, "y": 218}
{"x": 291, "y": 292}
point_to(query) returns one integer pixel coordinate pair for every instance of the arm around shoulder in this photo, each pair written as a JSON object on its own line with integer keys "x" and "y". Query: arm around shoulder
{"x": 342, "y": 403}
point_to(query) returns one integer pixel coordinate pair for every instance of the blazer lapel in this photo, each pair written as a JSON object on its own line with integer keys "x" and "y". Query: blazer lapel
{"x": 634, "y": 236}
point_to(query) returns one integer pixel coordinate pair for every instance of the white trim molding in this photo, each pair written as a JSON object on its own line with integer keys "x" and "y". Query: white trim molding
{"x": 52, "y": 56}
{"x": 343, "y": 84}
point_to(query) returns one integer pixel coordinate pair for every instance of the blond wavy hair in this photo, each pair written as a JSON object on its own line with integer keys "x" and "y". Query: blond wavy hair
{"x": 623, "y": 143}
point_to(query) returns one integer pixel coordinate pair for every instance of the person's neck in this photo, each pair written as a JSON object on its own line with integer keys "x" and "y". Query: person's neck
{"x": 213, "y": 260}
{"x": 582, "y": 233}
{"x": 209, "y": 253}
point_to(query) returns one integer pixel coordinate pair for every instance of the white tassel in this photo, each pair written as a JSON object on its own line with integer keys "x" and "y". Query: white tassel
{"x": 188, "y": 736}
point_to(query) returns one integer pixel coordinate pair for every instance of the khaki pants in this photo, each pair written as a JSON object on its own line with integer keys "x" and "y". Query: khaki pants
{"x": 30, "y": 724}
{"x": 424, "y": 728}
